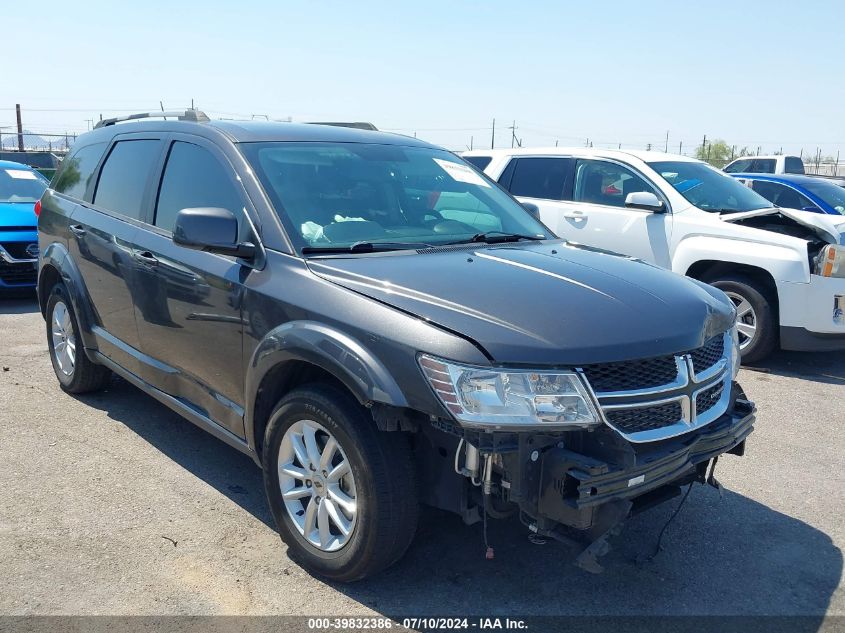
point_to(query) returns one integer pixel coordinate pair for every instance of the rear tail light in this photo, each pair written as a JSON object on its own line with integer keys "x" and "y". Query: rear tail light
{"x": 37, "y": 208}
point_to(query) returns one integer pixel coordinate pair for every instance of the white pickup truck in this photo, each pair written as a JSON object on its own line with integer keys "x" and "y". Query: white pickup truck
{"x": 774, "y": 164}
{"x": 784, "y": 269}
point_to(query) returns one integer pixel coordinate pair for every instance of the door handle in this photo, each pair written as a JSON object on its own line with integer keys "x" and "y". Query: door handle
{"x": 145, "y": 257}
{"x": 575, "y": 215}
{"x": 77, "y": 229}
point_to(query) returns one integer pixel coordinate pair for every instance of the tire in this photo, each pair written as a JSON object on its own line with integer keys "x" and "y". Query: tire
{"x": 383, "y": 485}
{"x": 747, "y": 293}
{"x": 75, "y": 371}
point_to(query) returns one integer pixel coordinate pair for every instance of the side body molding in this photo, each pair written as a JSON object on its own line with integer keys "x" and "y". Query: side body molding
{"x": 56, "y": 256}
{"x": 336, "y": 352}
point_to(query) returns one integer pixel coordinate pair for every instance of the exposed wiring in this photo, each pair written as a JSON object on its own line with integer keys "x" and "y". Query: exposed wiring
{"x": 658, "y": 547}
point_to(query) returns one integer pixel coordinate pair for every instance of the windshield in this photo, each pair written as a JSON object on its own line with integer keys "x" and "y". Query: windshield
{"x": 21, "y": 185}
{"x": 708, "y": 188}
{"x": 830, "y": 194}
{"x": 340, "y": 194}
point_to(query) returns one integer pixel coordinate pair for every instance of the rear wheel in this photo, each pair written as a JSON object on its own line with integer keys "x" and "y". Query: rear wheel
{"x": 343, "y": 493}
{"x": 76, "y": 373}
{"x": 755, "y": 316}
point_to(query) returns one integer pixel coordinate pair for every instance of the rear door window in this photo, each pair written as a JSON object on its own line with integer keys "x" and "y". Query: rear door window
{"x": 540, "y": 177}
{"x": 763, "y": 165}
{"x": 193, "y": 177}
{"x": 77, "y": 171}
{"x": 124, "y": 177}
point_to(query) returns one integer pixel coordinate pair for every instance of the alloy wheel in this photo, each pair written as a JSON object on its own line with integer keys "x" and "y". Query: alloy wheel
{"x": 64, "y": 339}
{"x": 746, "y": 319}
{"x": 317, "y": 485}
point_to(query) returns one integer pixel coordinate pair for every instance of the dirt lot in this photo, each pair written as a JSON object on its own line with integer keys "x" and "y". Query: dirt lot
{"x": 111, "y": 504}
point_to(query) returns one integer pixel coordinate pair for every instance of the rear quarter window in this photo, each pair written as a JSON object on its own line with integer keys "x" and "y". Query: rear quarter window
{"x": 76, "y": 171}
{"x": 480, "y": 162}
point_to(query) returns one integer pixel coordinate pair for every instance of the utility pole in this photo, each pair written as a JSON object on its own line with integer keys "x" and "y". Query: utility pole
{"x": 758, "y": 150}
{"x": 20, "y": 126}
{"x": 513, "y": 133}
{"x": 666, "y": 148}
{"x": 680, "y": 147}
{"x": 703, "y": 145}
{"x": 733, "y": 151}
{"x": 493, "y": 136}
{"x": 470, "y": 143}
{"x": 89, "y": 122}
{"x": 648, "y": 147}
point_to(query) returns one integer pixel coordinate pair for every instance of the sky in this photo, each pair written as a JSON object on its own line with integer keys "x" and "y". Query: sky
{"x": 765, "y": 74}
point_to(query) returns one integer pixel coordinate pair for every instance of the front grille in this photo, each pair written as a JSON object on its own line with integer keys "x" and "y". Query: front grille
{"x": 632, "y": 375}
{"x": 708, "y": 398}
{"x": 645, "y": 418}
{"x": 709, "y": 354}
{"x": 17, "y": 249}
{"x": 17, "y": 274}
{"x": 657, "y": 393}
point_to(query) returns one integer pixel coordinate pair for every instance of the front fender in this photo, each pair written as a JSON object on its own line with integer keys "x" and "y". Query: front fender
{"x": 784, "y": 263}
{"x": 341, "y": 355}
{"x": 57, "y": 257}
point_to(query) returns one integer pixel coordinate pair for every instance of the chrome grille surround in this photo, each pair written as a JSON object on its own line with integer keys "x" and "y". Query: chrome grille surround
{"x": 628, "y": 411}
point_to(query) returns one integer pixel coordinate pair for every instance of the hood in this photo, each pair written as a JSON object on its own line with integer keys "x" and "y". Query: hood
{"x": 18, "y": 214}
{"x": 827, "y": 227}
{"x": 541, "y": 304}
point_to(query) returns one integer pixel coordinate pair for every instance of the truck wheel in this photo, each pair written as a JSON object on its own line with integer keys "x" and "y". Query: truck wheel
{"x": 755, "y": 317}
{"x": 343, "y": 493}
{"x": 76, "y": 373}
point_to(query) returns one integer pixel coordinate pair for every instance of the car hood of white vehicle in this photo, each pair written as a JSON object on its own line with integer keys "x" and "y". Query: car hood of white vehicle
{"x": 828, "y": 227}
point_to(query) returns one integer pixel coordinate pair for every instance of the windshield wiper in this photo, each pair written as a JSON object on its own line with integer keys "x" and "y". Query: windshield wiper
{"x": 365, "y": 247}
{"x": 498, "y": 237}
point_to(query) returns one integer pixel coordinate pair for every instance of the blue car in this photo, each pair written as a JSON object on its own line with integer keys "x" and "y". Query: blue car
{"x": 20, "y": 188}
{"x": 805, "y": 193}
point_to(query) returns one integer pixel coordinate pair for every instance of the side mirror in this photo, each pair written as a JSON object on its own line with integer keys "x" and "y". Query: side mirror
{"x": 646, "y": 201}
{"x": 533, "y": 209}
{"x": 210, "y": 229}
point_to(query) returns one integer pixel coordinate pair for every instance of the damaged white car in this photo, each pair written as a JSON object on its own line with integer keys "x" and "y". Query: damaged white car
{"x": 784, "y": 269}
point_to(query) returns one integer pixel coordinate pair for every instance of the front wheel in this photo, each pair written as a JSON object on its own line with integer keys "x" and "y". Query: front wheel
{"x": 343, "y": 494}
{"x": 755, "y": 316}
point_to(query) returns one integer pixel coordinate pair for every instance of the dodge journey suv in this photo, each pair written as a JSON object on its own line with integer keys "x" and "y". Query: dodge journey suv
{"x": 381, "y": 326}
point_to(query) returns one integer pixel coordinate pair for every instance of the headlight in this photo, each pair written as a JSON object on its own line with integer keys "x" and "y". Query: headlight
{"x": 831, "y": 261}
{"x": 735, "y": 355}
{"x": 494, "y": 398}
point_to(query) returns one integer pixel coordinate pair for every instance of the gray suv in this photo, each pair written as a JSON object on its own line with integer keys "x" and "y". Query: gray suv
{"x": 381, "y": 326}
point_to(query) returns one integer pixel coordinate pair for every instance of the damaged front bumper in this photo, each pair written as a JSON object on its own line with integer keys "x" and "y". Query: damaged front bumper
{"x": 563, "y": 486}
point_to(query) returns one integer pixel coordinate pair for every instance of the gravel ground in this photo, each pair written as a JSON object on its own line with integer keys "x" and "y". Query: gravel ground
{"x": 112, "y": 504}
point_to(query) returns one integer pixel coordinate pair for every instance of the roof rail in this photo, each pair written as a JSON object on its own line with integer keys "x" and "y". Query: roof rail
{"x": 360, "y": 125}
{"x": 198, "y": 116}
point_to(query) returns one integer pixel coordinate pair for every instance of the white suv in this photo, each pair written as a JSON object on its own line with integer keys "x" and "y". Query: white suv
{"x": 784, "y": 269}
